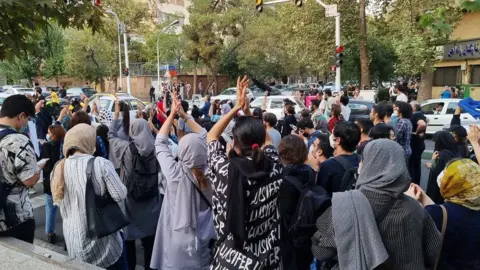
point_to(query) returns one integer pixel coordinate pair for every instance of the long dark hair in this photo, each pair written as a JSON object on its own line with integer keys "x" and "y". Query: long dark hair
{"x": 445, "y": 141}
{"x": 126, "y": 117}
{"x": 249, "y": 135}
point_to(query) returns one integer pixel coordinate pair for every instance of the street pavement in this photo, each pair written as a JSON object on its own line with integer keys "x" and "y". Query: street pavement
{"x": 39, "y": 208}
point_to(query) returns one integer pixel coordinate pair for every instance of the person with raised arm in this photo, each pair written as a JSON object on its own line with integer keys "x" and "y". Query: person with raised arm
{"x": 185, "y": 227}
{"x": 250, "y": 165}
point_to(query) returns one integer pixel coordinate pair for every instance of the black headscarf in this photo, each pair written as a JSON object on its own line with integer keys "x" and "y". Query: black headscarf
{"x": 445, "y": 141}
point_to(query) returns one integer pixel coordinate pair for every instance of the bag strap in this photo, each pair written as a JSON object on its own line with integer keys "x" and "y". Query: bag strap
{"x": 201, "y": 194}
{"x": 344, "y": 162}
{"x": 444, "y": 230}
{"x": 133, "y": 149}
{"x": 90, "y": 173}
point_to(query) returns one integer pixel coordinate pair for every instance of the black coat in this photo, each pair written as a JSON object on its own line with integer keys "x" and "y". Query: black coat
{"x": 50, "y": 150}
{"x": 289, "y": 120}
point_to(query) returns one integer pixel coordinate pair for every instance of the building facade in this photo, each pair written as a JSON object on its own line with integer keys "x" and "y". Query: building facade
{"x": 460, "y": 60}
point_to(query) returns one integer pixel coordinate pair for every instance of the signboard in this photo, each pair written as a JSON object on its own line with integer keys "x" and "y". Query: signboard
{"x": 462, "y": 50}
{"x": 331, "y": 11}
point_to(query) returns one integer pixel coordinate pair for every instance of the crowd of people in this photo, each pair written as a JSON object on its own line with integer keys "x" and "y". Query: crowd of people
{"x": 225, "y": 187}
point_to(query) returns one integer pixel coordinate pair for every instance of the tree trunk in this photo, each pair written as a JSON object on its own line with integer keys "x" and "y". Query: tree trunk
{"x": 426, "y": 83}
{"x": 364, "y": 61}
{"x": 195, "y": 78}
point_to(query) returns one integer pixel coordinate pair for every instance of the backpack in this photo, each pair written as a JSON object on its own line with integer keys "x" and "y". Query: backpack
{"x": 311, "y": 204}
{"x": 5, "y": 188}
{"x": 350, "y": 176}
{"x": 144, "y": 183}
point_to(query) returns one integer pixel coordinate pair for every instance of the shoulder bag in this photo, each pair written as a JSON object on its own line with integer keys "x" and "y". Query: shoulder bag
{"x": 104, "y": 216}
{"x": 444, "y": 229}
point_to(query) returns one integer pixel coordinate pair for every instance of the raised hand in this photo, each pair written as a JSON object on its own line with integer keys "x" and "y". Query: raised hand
{"x": 473, "y": 134}
{"x": 241, "y": 92}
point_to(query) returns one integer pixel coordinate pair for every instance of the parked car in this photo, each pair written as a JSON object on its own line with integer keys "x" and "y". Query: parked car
{"x": 439, "y": 113}
{"x": 108, "y": 102}
{"x": 257, "y": 92}
{"x": 231, "y": 93}
{"x": 282, "y": 87}
{"x": 20, "y": 91}
{"x": 276, "y": 106}
{"x": 3, "y": 96}
{"x": 78, "y": 91}
{"x": 360, "y": 109}
{"x": 6, "y": 87}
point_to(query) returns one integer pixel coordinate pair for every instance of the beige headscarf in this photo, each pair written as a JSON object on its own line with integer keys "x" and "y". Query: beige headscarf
{"x": 82, "y": 138}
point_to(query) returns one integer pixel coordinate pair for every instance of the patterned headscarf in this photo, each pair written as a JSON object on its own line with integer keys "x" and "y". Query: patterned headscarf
{"x": 105, "y": 117}
{"x": 81, "y": 137}
{"x": 460, "y": 184}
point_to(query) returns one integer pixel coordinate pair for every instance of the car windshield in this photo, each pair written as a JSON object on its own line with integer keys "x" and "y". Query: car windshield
{"x": 257, "y": 102}
{"x": 88, "y": 90}
{"x": 74, "y": 91}
{"x": 24, "y": 90}
{"x": 229, "y": 91}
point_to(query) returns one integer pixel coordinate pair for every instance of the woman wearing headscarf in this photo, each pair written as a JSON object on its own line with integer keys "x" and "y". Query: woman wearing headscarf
{"x": 444, "y": 151}
{"x": 140, "y": 213}
{"x": 375, "y": 226}
{"x": 185, "y": 227}
{"x": 119, "y": 126}
{"x": 68, "y": 183}
{"x": 246, "y": 179}
{"x": 460, "y": 186}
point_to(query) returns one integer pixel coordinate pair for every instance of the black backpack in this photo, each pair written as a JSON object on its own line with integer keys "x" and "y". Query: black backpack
{"x": 311, "y": 204}
{"x": 144, "y": 184}
{"x": 350, "y": 176}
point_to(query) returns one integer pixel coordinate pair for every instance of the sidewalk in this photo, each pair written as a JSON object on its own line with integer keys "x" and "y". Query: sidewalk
{"x": 16, "y": 254}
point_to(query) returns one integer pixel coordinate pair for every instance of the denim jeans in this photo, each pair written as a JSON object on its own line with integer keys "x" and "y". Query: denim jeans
{"x": 50, "y": 214}
{"x": 121, "y": 263}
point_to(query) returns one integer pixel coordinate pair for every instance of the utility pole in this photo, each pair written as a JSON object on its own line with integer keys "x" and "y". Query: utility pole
{"x": 119, "y": 30}
{"x": 330, "y": 11}
{"x": 127, "y": 68}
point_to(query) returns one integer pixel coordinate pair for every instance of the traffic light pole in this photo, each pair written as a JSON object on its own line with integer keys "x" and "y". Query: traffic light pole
{"x": 126, "y": 60}
{"x": 337, "y": 35}
{"x": 337, "y": 44}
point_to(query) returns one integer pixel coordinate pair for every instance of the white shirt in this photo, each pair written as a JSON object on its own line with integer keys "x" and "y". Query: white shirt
{"x": 346, "y": 112}
{"x": 402, "y": 97}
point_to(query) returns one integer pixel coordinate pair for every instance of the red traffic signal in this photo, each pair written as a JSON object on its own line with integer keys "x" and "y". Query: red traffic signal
{"x": 334, "y": 68}
{"x": 339, "y": 49}
{"x": 97, "y": 2}
{"x": 125, "y": 72}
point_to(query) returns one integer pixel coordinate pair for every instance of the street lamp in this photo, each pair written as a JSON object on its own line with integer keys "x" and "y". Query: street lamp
{"x": 119, "y": 45}
{"x": 158, "y": 53}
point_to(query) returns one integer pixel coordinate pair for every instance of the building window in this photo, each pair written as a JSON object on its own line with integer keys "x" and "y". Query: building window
{"x": 475, "y": 75}
{"x": 447, "y": 76}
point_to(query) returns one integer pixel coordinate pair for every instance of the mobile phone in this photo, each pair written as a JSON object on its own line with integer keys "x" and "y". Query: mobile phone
{"x": 42, "y": 161}
{"x": 293, "y": 127}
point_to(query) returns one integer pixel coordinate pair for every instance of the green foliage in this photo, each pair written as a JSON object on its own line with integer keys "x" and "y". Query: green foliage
{"x": 20, "y": 67}
{"x": 470, "y": 5}
{"x": 382, "y": 57}
{"x": 54, "y": 64}
{"x": 20, "y": 19}
{"x": 90, "y": 57}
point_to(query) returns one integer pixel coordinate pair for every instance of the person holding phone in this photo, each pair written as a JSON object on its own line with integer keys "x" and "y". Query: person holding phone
{"x": 51, "y": 150}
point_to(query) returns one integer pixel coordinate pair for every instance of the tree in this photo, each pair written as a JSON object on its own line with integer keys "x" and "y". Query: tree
{"x": 364, "y": 60}
{"x": 54, "y": 63}
{"x": 90, "y": 57}
{"x": 22, "y": 18}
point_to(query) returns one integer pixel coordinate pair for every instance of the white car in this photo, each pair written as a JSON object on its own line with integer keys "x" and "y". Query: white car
{"x": 440, "y": 112}
{"x": 3, "y": 96}
{"x": 231, "y": 93}
{"x": 107, "y": 102}
{"x": 276, "y": 105}
{"x": 20, "y": 91}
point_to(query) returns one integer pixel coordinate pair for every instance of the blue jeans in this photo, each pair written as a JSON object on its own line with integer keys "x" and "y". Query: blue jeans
{"x": 121, "y": 263}
{"x": 50, "y": 214}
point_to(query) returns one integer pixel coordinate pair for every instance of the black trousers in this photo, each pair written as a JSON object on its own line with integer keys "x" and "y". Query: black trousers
{"x": 24, "y": 231}
{"x": 147, "y": 244}
{"x": 415, "y": 166}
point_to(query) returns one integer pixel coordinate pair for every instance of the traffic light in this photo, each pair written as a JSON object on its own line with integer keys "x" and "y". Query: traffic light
{"x": 298, "y": 3}
{"x": 339, "y": 56}
{"x": 125, "y": 72}
{"x": 96, "y": 2}
{"x": 259, "y": 5}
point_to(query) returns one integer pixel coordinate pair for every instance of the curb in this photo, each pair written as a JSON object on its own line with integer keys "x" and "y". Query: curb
{"x": 427, "y": 154}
